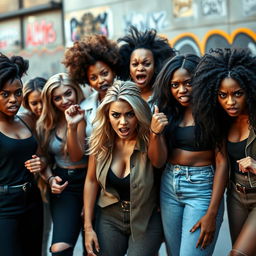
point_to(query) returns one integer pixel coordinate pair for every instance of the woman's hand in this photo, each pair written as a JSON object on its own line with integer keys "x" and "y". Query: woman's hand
{"x": 91, "y": 241}
{"x": 55, "y": 185}
{"x": 35, "y": 164}
{"x": 207, "y": 224}
{"x": 158, "y": 122}
{"x": 74, "y": 114}
{"x": 247, "y": 164}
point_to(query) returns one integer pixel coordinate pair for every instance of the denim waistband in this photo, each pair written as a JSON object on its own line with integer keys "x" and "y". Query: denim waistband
{"x": 185, "y": 169}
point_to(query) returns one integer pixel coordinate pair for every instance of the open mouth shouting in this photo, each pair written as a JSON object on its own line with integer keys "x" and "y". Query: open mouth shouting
{"x": 124, "y": 131}
{"x": 13, "y": 108}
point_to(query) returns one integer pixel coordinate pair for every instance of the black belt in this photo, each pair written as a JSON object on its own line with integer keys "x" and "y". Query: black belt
{"x": 16, "y": 188}
{"x": 244, "y": 190}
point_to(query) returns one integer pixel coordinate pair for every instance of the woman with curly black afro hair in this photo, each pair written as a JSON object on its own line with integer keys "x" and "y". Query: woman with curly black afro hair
{"x": 143, "y": 55}
{"x": 94, "y": 61}
{"x": 225, "y": 110}
{"x": 191, "y": 189}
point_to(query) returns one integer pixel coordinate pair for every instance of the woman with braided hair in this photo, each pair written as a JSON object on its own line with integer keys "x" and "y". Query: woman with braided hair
{"x": 192, "y": 183}
{"x": 21, "y": 211}
{"x": 225, "y": 110}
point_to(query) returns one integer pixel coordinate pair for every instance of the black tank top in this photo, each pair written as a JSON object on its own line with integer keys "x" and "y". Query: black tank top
{"x": 121, "y": 185}
{"x": 236, "y": 151}
{"x": 13, "y": 154}
{"x": 184, "y": 138}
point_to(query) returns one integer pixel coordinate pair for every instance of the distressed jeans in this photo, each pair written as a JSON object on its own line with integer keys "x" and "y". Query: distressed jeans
{"x": 185, "y": 196}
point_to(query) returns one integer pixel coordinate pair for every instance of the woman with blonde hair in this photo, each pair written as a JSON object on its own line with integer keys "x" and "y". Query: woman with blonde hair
{"x": 61, "y": 134}
{"x": 127, "y": 220}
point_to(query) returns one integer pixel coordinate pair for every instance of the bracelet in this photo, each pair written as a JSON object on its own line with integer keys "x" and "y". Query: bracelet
{"x": 49, "y": 178}
{"x": 154, "y": 132}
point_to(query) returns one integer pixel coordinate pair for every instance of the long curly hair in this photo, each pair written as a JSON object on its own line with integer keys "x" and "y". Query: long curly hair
{"x": 87, "y": 52}
{"x": 147, "y": 40}
{"x": 12, "y": 68}
{"x": 218, "y": 64}
{"x": 103, "y": 135}
{"x": 49, "y": 118}
{"x": 163, "y": 97}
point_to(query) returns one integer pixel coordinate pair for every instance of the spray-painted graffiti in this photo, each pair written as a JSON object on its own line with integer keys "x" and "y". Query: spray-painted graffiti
{"x": 249, "y": 7}
{"x": 213, "y": 7}
{"x": 10, "y": 35}
{"x": 189, "y": 43}
{"x": 156, "y": 20}
{"x": 182, "y": 8}
{"x": 40, "y": 33}
{"x": 91, "y": 21}
{"x": 89, "y": 24}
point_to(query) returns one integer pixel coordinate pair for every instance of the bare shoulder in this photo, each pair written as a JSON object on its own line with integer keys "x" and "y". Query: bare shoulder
{"x": 29, "y": 119}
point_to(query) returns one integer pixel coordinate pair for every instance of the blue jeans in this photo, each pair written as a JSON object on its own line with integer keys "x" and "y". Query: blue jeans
{"x": 185, "y": 195}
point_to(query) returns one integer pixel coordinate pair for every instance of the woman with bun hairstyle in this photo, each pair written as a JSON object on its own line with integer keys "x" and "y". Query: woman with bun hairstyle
{"x": 225, "y": 110}
{"x": 21, "y": 212}
{"x": 193, "y": 181}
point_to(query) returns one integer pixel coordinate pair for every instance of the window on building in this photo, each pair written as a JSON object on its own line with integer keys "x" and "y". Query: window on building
{"x": 5, "y": 6}
{"x": 31, "y": 3}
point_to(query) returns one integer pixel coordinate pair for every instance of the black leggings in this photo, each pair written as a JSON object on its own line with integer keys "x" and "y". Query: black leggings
{"x": 21, "y": 225}
{"x": 66, "y": 208}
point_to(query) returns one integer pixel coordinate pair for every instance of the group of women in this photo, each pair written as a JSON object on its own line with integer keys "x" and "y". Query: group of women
{"x": 154, "y": 125}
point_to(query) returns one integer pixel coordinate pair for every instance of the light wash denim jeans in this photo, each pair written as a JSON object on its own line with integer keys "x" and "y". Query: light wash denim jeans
{"x": 184, "y": 197}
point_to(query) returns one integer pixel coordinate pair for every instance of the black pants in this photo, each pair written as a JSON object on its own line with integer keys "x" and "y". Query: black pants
{"x": 66, "y": 208}
{"x": 21, "y": 223}
{"x": 114, "y": 233}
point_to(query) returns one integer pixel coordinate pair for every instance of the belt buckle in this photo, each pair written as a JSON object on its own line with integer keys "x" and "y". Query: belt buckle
{"x": 71, "y": 172}
{"x": 25, "y": 186}
{"x": 125, "y": 205}
{"x": 240, "y": 188}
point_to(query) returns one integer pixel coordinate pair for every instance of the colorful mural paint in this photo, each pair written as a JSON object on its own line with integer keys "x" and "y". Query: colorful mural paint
{"x": 189, "y": 42}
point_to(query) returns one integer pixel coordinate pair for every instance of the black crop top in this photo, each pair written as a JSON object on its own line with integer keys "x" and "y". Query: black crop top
{"x": 236, "y": 151}
{"x": 13, "y": 154}
{"x": 184, "y": 138}
{"x": 121, "y": 185}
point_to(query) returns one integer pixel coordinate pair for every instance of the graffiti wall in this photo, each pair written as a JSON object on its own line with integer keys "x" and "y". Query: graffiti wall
{"x": 190, "y": 43}
{"x": 10, "y": 39}
{"x": 90, "y": 21}
{"x": 182, "y": 8}
{"x": 44, "y": 30}
{"x": 142, "y": 21}
{"x": 213, "y": 7}
{"x": 249, "y": 7}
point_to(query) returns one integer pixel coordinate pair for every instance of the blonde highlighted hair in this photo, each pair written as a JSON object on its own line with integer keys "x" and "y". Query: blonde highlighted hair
{"x": 49, "y": 118}
{"x": 103, "y": 135}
